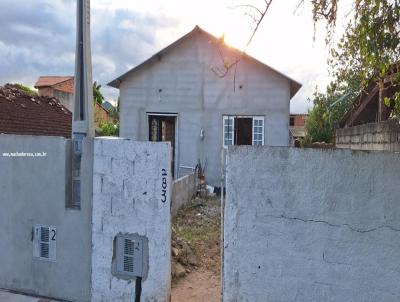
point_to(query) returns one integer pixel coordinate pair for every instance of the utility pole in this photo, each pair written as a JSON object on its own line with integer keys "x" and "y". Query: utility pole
{"x": 82, "y": 124}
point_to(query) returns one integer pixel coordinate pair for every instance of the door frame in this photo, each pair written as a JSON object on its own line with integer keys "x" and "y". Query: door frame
{"x": 176, "y": 145}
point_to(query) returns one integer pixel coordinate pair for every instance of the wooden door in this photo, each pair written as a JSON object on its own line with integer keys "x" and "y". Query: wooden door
{"x": 162, "y": 129}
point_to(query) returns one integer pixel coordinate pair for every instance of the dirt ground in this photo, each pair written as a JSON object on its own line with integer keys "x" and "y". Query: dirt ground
{"x": 197, "y": 231}
{"x": 198, "y": 286}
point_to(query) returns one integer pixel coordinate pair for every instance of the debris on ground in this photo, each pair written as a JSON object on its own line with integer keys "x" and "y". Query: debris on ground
{"x": 196, "y": 235}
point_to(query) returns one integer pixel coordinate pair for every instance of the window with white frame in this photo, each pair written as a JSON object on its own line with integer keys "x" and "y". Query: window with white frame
{"x": 243, "y": 130}
{"x": 258, "y": 130}
{"x": 228, "y": 125}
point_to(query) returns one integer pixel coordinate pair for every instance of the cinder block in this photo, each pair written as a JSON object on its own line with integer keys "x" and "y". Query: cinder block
{"x": 111, "y": 148}
{"x": 111, "y": 186}
{"x": 122, "y": 168}
{"x": 101, "y": 164}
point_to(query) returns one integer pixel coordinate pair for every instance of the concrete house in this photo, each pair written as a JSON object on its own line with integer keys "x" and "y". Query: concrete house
{"x": 203, "y": 96}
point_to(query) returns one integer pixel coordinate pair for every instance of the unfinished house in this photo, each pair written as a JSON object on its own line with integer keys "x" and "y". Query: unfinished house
{"x": 297, "y": 125}
{"x": 203, "y": 96}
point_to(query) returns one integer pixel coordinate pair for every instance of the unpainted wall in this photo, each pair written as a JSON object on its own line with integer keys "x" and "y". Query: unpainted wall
{"x": 128, "y": 182}
{"x": 383, "y": 136}
{"x": 34, "y": 191}
{"x": 182, "y": 82}
{"x": 311, "y": 225}
{"x": 183, "y": 189}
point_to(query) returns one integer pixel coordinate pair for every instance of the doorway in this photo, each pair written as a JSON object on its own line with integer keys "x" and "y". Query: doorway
{"x": 244, "y": 130}
{"x": 162, "y": 128}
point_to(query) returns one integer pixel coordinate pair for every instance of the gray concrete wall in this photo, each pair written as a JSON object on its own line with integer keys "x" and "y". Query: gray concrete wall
{"x": 383, "y": 136}
{"x": 33, "y": 191}
{"x": 200, "y": 98}
{"x": 183, "y": 189}
{"x": 128, "y": 198}
{"x": 311, "y": 225}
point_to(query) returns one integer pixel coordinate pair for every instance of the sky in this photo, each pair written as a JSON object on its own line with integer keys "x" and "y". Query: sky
{"x": 38, "y": 38}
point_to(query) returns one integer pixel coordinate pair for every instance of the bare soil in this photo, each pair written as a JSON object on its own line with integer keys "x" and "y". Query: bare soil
{"x": 198, "y": 286}
{"x": 196, "y": 244}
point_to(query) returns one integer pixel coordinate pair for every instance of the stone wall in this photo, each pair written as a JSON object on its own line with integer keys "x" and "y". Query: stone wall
{"x": 131, "y": 195}
{"x": 383, "y": 136}
{"x": 311, "y": 225}
{"x": 183, "y": 189}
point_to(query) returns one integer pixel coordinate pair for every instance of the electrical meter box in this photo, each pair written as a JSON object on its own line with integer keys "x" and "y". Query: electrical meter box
{"x": 131, "y": 256}
{"x": 44, "y": 242}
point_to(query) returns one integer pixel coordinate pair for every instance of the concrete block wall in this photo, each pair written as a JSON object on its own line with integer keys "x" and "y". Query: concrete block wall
{"x": 128, "y": 197}
{"x": 183, "y": 189}
{"x": 383, "y": 136}
{"x": 34, "y": 190}
{"x": 311, "y": 225}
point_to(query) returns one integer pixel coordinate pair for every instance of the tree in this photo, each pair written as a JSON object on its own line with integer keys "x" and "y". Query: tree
{"x": 109, "y": 128}
{"x": 328, "y": 110}
{"x": 363, "y": 57}
{"x": 97, "y": 95}
{"x": 370, "y": 47}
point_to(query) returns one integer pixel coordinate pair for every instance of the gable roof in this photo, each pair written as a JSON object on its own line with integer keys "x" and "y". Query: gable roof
{"x": 46, "y": 81}
{"x": 108, "y": 106}
{"x": 294, "y": 85}
{"x": 21, "y": 113}
{"x": 50, "y": 81}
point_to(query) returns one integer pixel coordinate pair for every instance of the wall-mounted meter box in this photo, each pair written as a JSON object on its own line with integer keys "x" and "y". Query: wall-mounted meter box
{"x": 45, "y": 242}
{"x": 131, "y": 256}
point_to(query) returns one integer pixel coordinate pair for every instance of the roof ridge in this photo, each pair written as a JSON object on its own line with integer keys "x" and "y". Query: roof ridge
{"x": 116, "y": 82}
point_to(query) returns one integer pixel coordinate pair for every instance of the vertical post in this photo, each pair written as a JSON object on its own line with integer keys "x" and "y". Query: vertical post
{"x": 82, "y": 125}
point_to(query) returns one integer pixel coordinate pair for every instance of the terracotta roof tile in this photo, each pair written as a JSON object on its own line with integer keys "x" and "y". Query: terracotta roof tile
{"x": 46, "y": 81}
{"x": 21, "y": 113}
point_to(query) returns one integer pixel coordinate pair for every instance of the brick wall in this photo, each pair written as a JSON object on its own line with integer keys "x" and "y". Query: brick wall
{"x": 67, "y": 86}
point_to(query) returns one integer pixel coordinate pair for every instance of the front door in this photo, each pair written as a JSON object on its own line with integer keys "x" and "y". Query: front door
{"x": 162, "y": 129}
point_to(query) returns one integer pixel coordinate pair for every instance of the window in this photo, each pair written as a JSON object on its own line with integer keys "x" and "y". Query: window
{"x": 243, "y": 130}
{"x": 258, "y": 131}
{"x": 44, "y": 242}
{"x": 291, "y": 121}
{"x": 229, "y": 124}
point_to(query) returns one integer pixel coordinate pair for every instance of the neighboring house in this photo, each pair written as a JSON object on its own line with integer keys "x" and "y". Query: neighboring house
{"x": 100, "y": 114}
{"x": 21, "y": 113}
{"x": 61, "y": 87}
{"x": 297, "y": 128}
{"x": 365, "y": 126}
{"x": 108, "y": 106}
{"x": 181, "y": 95}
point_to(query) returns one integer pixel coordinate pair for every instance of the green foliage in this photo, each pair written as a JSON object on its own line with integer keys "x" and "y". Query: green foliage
{"x": 109, "y": 129}
{"x": 370, "y": 46}
{"x": 26, "y": 89}
{"x": 97, "y": 95}
{"x": 363, "y": 56}
{"x": 326, "y": 113}
{"x": 114, "y": 113}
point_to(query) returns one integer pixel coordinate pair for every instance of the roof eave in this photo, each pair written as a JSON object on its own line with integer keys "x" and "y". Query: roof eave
{"x": 294, "y": 88}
